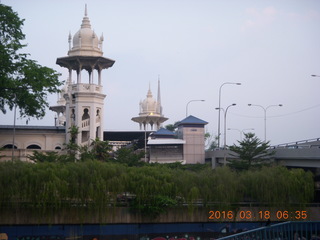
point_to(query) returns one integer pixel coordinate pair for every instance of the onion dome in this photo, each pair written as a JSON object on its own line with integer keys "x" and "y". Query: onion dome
{"x": 149, "y": 105}
{"x": 85, "y": 41}
{"x": 150, "y": 111}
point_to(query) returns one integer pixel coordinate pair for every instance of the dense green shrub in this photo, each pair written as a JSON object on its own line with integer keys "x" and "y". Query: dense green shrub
{"x": 152, "y": 188}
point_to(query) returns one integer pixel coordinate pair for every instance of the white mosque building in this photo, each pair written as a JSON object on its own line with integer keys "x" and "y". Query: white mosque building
{"x": 81, "y": 101}
{"x": 81, "y": 104}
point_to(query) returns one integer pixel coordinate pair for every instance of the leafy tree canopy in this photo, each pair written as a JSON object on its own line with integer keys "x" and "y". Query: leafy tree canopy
{"x": 213, "y": 144}
{"x": 23, "y": 82}
{"x": 101, "y": 150}
{"x": 170, "y": 127}
{"x": 128, "y": 157}
{"x": 251, "y": 151}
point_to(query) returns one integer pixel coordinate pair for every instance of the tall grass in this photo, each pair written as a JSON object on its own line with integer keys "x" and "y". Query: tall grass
{"x": 154, "y": 187}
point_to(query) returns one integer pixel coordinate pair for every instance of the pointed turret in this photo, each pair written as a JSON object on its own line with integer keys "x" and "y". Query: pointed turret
{"x": 159, "y": 107}
{"x": 69, "y": 40}
{"x": 150, "y": 111}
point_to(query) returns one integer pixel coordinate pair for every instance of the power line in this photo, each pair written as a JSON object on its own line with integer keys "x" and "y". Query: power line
{"x": 281, "y": 115}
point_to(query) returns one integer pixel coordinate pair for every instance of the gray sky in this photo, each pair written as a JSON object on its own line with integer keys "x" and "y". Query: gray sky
{"x": 271, "y": 47}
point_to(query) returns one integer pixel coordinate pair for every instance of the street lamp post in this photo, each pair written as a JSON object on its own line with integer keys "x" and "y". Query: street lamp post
{"x": 14, "y": 126}
{"x": 225, "y": 125}
{"x": 241, "y": 132}
{"x": 265, "y": 116}
{"x": 220, "y": 108}
{"x": 238, "y": 131}
{"x": 225, "y": 131}
{"x": 190, "y": 102}
{"x": 145, "y": 145}
{"x": 145, "y": 137}
{"x": 244, "y": 130}
{"x": 14, "y": 114}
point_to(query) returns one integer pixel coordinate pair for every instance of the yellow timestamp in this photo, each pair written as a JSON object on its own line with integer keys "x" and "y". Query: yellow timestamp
{"x": 259, "y": 215}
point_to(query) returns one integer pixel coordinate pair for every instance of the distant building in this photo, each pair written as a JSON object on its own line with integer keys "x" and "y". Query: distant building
{"x": 164, "y": 147}
{"x": 186, "y": 146}
{"x": 191, "y": 129}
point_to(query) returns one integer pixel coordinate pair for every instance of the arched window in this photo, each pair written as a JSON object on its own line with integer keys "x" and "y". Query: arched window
{"x": 33, "y": 146}
{"x": 85, "y": 114}
{"x": 57, "y": 148}
{"x": 9, "y": 146}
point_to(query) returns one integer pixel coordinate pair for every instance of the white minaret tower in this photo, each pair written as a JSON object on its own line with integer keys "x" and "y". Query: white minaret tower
{"x": 150, "y": 112}
{"x": 85, "y": 98}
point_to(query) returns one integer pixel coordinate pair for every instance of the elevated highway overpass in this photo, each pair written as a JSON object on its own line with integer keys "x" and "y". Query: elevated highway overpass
{"x": 305, "y": 154}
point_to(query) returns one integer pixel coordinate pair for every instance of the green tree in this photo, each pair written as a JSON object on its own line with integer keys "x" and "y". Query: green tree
{"x": 213, "y": 144}
{"x": 101, "y": 150}
{"x": 128, "y": 157}
{"x": 251, "y": 151}
{"x": 72, "y": 147}
{"x": 38, "y": 156}
{"x": 23, "y": 82}
{"x": 172, "y": 127}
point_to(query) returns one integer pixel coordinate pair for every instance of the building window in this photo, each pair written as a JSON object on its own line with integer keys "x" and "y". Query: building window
{"x": 33, "y": 146}
{"x": 85, "y": 114}
{"x": 9, "y": 146}
{"x": 57, "y": 148}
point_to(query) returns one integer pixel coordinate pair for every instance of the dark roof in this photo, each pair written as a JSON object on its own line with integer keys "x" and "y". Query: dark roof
{"x": 86, "y": 61}
{"x": 107, "y": 135}
{"x": 163, "y": 131}
{"x": 30, "y": 127}
{"x": 137, "y": 138}
{"x": 124, "y": 135}
{"x": 192, "y": 120}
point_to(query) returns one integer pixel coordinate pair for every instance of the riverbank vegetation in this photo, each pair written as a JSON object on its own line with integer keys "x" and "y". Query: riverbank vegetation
{"x": 148, "y": 189}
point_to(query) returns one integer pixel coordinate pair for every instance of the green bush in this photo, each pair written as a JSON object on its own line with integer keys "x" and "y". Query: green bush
{"x": 156, "y": 188}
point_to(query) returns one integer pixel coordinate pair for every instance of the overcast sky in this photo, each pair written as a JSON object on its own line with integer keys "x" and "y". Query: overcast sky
{"x": 272, "y": 47}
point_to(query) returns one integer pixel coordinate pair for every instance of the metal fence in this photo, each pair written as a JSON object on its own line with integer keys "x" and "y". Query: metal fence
{"x": 281, "y": 231}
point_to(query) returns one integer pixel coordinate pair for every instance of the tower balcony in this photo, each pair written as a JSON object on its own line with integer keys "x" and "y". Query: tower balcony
{"x": 85, "y": 124}
{"x": 86, "y": 87}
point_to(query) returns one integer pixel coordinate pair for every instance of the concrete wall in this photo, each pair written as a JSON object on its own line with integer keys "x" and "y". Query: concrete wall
{"x": 124, "y": 215}
{"x": 47, "y": 139}
{"x": 194, "y": 147}
{"x": 166, "y": 153}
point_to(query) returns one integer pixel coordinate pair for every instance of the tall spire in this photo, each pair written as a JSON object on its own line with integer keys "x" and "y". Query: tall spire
{"x": 69, "y": 40}
{"x": 159, "y": 97}
{"x": 149, "y": 94}
{"x": 159, "y": 110}
{"x": 85, "y": 20}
